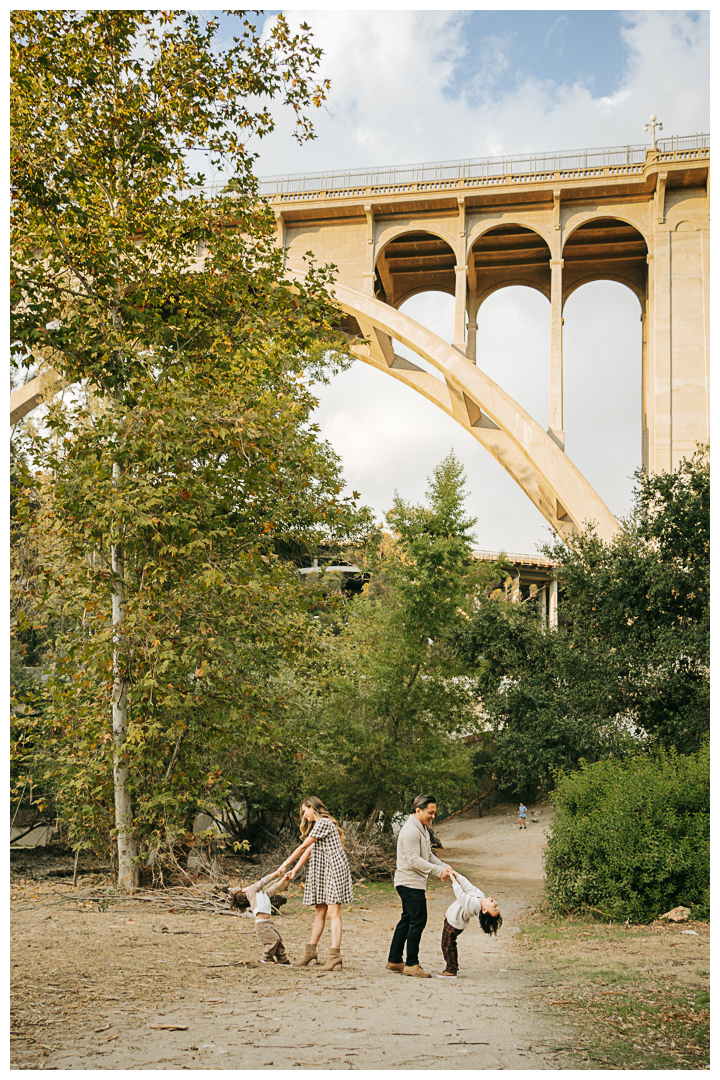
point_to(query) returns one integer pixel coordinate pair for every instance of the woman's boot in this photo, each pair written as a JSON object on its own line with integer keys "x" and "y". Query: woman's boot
{"x": 310, "y": 954}
{"x": 334, "y": 960}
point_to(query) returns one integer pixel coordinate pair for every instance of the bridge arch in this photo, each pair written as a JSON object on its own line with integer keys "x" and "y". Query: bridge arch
{"x": 582, "y": 217}
{"x": 507, "y": 283}
{"x": 418, "y": 291}
{"x": 480, "y": 406}
{"x": 525, "y": 221}
{"x": 508, "y": 253}
{"x": 413, "y": 261}
{"x": 387, "y": 233}
{"x": 605, "y": 247}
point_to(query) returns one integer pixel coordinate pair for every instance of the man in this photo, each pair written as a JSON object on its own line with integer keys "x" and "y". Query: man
{"x": 522, "y": 815}
{"x": 415, "y": 860}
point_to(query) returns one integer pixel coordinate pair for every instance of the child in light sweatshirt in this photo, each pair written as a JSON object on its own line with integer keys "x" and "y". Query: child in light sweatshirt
{"x": 470, "y": 901}
{"x": 257, "y": 898}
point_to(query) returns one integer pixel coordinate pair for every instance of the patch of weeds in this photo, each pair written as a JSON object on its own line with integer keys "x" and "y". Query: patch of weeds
{"x": 541, "y": 930}
{"x": 649, "y": 1028}
{"x": 374, "y": 891}
{"x": 625, "y": 1015}
{"x": 611, "y": 976}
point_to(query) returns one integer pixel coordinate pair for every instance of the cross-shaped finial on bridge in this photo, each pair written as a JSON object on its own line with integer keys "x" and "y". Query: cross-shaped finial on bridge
{"x": 650, "y": 126}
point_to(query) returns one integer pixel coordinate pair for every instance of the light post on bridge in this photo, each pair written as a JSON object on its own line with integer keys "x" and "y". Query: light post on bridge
{"x": 650, "y": 126}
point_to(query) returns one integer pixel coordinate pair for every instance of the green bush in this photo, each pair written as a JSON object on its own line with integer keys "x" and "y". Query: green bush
{"x": 631, "y": 839}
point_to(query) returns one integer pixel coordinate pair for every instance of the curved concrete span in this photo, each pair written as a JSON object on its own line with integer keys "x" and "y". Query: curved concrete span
{"x": 546, "y": 475}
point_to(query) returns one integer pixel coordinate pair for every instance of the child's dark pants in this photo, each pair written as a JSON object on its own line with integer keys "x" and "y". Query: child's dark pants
{"x": 449, "y": 947}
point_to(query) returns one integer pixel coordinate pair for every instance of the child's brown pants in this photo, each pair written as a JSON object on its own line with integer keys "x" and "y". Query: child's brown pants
{"x": 269, "y": 937}
{"x": 448, "y": 944}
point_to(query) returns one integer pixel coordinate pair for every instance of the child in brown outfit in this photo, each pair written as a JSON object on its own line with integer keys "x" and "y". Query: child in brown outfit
{"x": 258, "y": 898}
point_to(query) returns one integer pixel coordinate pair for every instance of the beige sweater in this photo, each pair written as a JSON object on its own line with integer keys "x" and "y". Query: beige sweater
{"x": 415, "y": 859}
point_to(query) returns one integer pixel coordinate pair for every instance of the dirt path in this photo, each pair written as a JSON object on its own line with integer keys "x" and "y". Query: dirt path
{"x": 98, "y": 989}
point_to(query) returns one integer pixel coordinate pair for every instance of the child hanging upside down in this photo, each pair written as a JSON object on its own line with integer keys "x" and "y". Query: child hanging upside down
{"x": 258, "y": 900}
{"x": 470, "y": 901}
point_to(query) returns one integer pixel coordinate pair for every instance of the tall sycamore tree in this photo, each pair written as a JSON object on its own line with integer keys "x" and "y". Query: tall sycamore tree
{"x": 172, "y": 483}
{"x": 395, "y": 698}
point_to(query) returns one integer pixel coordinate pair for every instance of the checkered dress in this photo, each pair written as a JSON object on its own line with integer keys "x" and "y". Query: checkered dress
{"x": 328, "y": 878}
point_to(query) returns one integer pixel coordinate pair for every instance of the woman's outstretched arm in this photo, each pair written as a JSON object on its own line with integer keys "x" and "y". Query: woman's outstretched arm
{"x": 304, "y": 847}
{"x": 303, "y": 859}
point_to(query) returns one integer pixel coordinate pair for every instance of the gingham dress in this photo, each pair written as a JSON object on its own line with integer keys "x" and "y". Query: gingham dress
{"x": 328, "y": 878}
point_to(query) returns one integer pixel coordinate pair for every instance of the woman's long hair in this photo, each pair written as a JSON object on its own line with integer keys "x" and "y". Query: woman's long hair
{"x": 322, "y": 811}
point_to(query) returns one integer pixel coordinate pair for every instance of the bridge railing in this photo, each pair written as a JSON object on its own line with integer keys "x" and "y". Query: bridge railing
{"x": 514, "y": 557}
{"x": 358, "y": 180}
{"x": 475, "y": 171}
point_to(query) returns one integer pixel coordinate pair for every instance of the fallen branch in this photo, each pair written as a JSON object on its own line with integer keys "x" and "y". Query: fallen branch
{"x": 36, "y": 825}
{"x": 460, "y": 811}
{"x": 189, "y": 903}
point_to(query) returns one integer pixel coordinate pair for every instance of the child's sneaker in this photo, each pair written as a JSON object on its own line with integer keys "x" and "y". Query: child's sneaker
{"x": 446, "y": 975}
{"x": 263, "y": 961}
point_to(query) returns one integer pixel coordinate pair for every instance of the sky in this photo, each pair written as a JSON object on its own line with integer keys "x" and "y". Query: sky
{"x": 414, "y": 86}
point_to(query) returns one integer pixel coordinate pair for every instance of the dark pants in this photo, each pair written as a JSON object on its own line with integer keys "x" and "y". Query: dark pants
{"x": 448, "y": 945}
{"x": 411, "y": 925}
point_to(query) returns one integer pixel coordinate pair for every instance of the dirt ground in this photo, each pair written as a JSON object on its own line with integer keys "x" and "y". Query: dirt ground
{"x": 129, "y": 985}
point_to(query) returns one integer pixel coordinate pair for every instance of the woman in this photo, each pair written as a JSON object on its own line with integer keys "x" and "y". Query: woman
{"x": 328, "y": 883}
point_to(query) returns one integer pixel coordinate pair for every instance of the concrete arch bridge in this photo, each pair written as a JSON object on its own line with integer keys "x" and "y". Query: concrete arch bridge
{"x": 553, "y": 222}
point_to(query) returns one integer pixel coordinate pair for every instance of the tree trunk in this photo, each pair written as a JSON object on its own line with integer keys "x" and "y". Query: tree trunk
{"x": 128, "y": 873}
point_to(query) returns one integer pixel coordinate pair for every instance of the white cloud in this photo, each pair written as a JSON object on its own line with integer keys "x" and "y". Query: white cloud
{"x": 391, "y": 73}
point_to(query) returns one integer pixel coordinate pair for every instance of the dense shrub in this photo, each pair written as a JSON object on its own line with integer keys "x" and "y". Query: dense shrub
{"x": 631, "y": 839}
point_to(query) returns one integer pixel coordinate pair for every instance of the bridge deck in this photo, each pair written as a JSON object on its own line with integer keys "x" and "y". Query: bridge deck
{"x": 477, "y": 172}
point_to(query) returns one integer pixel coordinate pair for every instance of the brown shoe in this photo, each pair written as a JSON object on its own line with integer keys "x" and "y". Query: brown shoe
{"x": 309, "y": 954}
{"x": 333, "y": 961}
{"x": 399, "y": 968}
{"x": 416, "y": 971}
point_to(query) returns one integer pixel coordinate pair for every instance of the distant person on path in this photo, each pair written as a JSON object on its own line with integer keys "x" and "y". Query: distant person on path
{"x": 415, "y": 861}
{"x": 328, "y": 883}
{"x": 522, "y": 814}
{"x": 258, "y": 898}
{"x": 469, "y": 901}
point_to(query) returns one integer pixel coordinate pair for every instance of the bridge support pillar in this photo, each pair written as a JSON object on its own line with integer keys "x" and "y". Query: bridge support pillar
{"x": 553, "y": 605}
{"x": 369, "y": 283}
{"x": 280, "y": 226}
{"x": 471, "y": 351}
{"x": 555, "y": 428}
{"x": 660, "y": 355}
{"x": 645, "y": 385}
{"x": 460, "y": 309}
{"x": 369, "y": 275}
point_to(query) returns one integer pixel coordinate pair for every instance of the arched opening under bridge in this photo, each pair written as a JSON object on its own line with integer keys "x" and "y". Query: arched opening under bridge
{"x": 603, "y": 353}
{"x": 411, "y": 263}
{"x": 605, "y": 249}
{"x": 509, "y": 254}
{"x": 513, "y": 345}
{"x": 605, "y": 289}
